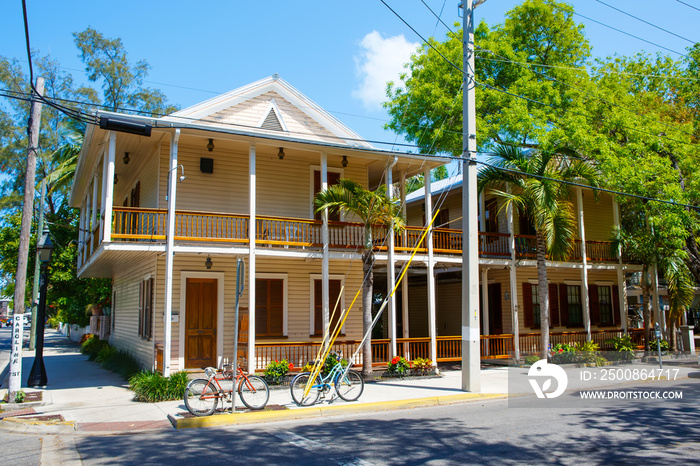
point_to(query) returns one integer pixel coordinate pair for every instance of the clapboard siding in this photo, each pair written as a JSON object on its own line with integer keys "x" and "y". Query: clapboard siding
{"x": 125, "y": 335}
{"x": 298, "y": 274}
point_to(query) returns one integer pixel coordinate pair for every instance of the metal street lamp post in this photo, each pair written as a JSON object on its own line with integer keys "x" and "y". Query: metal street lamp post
{"x": 37, "y": 376}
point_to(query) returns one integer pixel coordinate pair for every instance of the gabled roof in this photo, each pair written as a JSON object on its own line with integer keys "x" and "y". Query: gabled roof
{"x": 272, "y": 107}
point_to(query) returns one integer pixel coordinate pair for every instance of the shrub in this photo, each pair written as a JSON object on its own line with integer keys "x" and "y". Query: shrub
{"x": 275, "y": 371}
{"x": 150, "y": 386}
{"x": 588, "y": 353}
{"x": 86, "y": 337}
{"x": 654, "y": 345}
{"x": 118, "y": 361}
{"x": 562, "y": 353}
{"x": 92, "y": 346}
{"x": 106, "y": 354}
{"x": 624, "y": 346}
{"x": 422, "y": 365}
{"x": 532, "y": 359}
{"x": 332, "y": 359}
{"x": 398, "y": 365}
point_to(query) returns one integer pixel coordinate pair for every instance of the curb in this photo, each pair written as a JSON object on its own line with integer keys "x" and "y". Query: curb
{"x": 302, "y": 413}
{"x": 22, "y": 426}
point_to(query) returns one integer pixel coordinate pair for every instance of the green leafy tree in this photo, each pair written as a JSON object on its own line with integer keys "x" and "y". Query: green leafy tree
{"x": 536, "y": 53}
{"x": 533, "y": 186}
{"x": 373, "y": 208}
{"x": 122, "y": 82}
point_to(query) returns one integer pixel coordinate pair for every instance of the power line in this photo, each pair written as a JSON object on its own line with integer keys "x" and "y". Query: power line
{"x": 688, "y": 5}
{"x": 575, "y": 68}
{"x": 628, "y": 34}
{"x": 646, "y": 22}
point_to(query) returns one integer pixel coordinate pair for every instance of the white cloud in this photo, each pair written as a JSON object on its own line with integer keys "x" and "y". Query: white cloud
{"x": 379, "y": 61}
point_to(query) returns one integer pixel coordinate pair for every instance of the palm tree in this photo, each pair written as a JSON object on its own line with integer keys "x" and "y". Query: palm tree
{"x": 373, "y": 208}
{"x": 539, "y": 193}
{"x": 650, "y": 247}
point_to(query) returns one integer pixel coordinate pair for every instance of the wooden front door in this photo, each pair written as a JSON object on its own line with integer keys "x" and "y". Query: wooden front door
{"x": 200, "y": 324}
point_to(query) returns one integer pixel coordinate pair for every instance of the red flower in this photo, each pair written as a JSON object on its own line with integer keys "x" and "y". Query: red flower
{"x": 291, "y": 366}
{"x": 561, "y": 350}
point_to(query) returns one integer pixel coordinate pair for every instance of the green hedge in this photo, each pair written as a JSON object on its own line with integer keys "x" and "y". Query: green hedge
{"x": 152, "y": 387}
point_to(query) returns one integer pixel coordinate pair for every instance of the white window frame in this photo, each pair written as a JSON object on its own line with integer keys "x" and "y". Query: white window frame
{"x": 312, "y": 169}
{"x": 285, "y": 292}
{"x": 312, "y": 317}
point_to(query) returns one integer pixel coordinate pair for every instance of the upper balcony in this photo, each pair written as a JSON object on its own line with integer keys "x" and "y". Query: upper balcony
{"x": 144, "y": 225}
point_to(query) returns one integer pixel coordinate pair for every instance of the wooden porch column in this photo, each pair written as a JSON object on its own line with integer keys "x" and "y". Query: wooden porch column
{"x": 584, "y": 271}
{"x": 93, "y": 211}
{"x": 404, "y": 283}
{"x": 169, "y": 255}
{"x": 325, "y": 292}
{"x": 108, "y": 183}
{"x": 515, "y": 330}
{"x": 485, "y": 300}
{"x": 621, "y": 283}
{"x": 390, "y": 266}
{"x": 431, "y": 266}
{"x": 251, "y": 259}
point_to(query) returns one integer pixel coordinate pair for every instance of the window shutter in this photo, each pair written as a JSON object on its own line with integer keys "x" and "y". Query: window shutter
{"x": 615, "y": 304}
{"x": 275, "y": 311}
{"x": 527, "y": 305}
{"x": 554, "y": 319}
{"x": 594, "y": 304}
{"x": 318, "y": 307}
{"x": 148, "y": 309}
{"x": 141, "y": 309}
{"x": 564, "y": 305}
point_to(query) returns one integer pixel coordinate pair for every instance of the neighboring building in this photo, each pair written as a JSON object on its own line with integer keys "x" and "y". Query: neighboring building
{"x": 582, "y": 299}
{"x": 5, "y": 306}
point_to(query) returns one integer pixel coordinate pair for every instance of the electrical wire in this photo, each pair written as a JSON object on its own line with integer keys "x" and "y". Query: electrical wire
{"x": 646, "y": 22}
{"x": 688, "y": 5}
{"x": 629, "y": 34}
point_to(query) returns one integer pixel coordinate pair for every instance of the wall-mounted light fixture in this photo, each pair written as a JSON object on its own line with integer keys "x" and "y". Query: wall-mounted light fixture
{"x": 208, "y": 263}
{"x": 280, "y": 154}
{"x": 126, "y": 158}
{"x": 344, "y": 163}
{"x": 210, "y": 146}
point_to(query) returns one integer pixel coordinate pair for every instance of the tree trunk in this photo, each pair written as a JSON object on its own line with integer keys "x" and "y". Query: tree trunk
{"x": 367, "y": 286}
{"x": 543, "y": 296}
{"x": 672, "y": 337}
{"x": 646, "y": 310}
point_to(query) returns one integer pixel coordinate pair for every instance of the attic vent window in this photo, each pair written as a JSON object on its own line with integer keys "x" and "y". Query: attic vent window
{"x": 272, "y": 122}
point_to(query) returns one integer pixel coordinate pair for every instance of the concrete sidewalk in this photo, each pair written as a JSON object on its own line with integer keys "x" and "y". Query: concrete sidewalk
{"x": 91, "y": 399}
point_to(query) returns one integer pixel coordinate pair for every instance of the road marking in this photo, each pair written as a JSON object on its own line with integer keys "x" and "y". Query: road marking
{"x": 312, "y": 445}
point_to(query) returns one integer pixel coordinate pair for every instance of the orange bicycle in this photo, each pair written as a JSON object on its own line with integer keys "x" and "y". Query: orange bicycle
{"x": 203, "y": 395}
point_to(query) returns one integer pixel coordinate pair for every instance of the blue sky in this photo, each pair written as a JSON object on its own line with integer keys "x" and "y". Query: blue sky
{"x": 339, "y": 54}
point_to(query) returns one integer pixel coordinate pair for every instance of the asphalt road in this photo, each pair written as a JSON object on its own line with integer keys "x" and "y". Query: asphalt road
{"x": 629, "y": 432}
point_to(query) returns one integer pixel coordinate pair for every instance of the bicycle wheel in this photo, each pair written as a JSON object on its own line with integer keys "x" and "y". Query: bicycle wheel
{"x": 350, "y": 387}
{"x": 254, "y": 392}
{"x": 201, "y": 397}
{"x": 298, "y": 386}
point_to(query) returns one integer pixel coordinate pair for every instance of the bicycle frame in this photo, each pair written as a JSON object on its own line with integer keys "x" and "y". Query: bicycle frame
{"x": 320, "y": 385}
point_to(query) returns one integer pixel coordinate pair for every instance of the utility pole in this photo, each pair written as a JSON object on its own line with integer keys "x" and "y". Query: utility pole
{"x": 37, "y": 269}
{"x": 471, "y": 358}
{"x": 25, "y": 232}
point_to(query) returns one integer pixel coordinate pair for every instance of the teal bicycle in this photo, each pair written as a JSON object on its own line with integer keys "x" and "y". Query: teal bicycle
{"x": 348, "y": 385}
